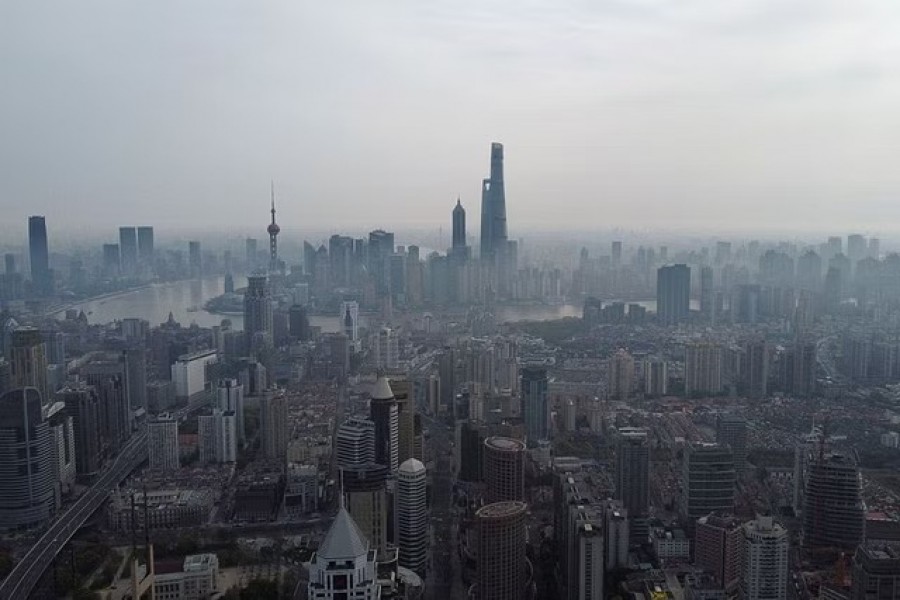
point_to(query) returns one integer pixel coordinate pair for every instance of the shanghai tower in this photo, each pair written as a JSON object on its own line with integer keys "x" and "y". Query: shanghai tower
{"x": 493, "y": 207}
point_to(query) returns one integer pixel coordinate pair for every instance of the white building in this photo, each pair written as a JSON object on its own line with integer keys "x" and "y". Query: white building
{"x": 411, "y": 516}
{"x": 189, "y": 374}
{"x": 162, "y": 443}
{"x": 197, "y": 580}
{"x": 386, "y": 349}
{"x": 230, "y": 397}
{"x": 218, "y": 437}
{"x": 344, "y": 565}
{"x": 764, "y": 565}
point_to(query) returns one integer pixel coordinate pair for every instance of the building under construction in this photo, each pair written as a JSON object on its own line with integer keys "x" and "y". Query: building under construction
{"x": 834, "y": 512}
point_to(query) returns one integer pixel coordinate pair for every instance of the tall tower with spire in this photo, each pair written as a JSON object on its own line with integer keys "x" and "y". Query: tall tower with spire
{"x": 273, "y": 230}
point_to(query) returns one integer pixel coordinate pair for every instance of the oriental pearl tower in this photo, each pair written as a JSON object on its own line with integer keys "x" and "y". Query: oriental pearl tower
{"x": 273, "y": 230}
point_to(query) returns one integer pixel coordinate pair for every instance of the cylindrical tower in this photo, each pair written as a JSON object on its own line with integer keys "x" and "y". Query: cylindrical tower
{"x": 501, "y": 551}
{"x": 504, "y": 469}
{"x": 411, "y": 515}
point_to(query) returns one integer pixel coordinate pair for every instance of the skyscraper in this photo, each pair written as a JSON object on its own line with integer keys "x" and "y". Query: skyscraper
{"x": 82, "y": 405}
{"x": 39, "y": 256}
{"x": 355, "y": 443}
{"x": 383, "y": 411}
{"x": 535, "y": 411}
{"x": 765, "y": 560}
{"x": 27, "y": 487}
{"x": 621, "y": 375}
{"x": 195, "y": 259}
{"x": 128, "y": 248}
{"x": 876, "y": 572}
{"x": 29, "y": 361}
{"x": 709, "y": 480}
{"x": 503, "y": 469}
{"x": 493, "y": 207}
{"x": 633, "y": 475}
{"x": 755, "y": 368}
{"x": 365, "y": 494}
{"x": 258, "y": 313}
{"x": 718, "y": 542}
{"x": 731, "y": 431}
{"x": 501, "y": 551}
{"x": 707, "y": 309}
{"x": 702, "y": 369}
{"x": 273, "y": 424}
{"x": 251, "y": 253}
{"x": 230, "y": 398}
{"x": 344, "y": 566}
{"x": 411, "y": 516}
{"x": 406, "y": 418}
{"x": 145, "y": 247}
{"x": 459, "y": 249}
{"x": 673, "y": 294}
{"x": 834, "y": 512}
{"x": 162, "y": 443}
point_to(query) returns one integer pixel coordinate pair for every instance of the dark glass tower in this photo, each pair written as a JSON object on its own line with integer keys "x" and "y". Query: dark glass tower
{"x": 673, "y": 294}
{"x": 128, "y": 248}
{"x": 493, "y": 206}
{"x": 459, "y": 227}
{"x": 39, "y": 255}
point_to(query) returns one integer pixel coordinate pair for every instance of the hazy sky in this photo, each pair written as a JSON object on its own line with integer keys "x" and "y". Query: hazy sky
{"x": 687, "y": 114}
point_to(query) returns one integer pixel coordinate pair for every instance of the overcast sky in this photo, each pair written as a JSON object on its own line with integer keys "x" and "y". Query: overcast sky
{"x": 683, "y": 114}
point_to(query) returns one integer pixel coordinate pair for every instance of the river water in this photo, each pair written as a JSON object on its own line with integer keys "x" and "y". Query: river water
{"x": 185, "y": 300}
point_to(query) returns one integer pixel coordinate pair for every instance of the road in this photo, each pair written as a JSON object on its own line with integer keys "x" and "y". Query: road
{"x": 28, "y": 571}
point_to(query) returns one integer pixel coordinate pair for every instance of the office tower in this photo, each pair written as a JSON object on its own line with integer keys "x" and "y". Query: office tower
{"x": 809, "y": 271}
{"x": 62, "y": 435}
{"x": 251, "y": 254}
{"x": 128, "y": 247}
{"x": 673, "y": 294}
{"x": 230, "y": 398}
{"x": 803, "y": 368}
{"x": 350, "y": 319}
{"x": 162, "y": 443}
{"x": 755, "y": 369}
{"x": 459, "y": 248}
{"x": 503, "y": 469}
{"x": 633, "y": 476}
{"x": 145, "y": 248}
{"x": 501, "y": 551}
{"x": 273, "y": 424}
{"x": 383, "y": 411}
{"x": 447, "y": 380}
{"x": 411, "y": 516}
{"x": 731, "y": 431}
{"x": 380, "y": 249}
{"x": 708, "y": 481}
{"x": 82, "y": 405}
{"x": 616, "y": 254}
{"x": 493, "y": 208}
{"x": 765, "y": 560}
{"x": 621, "y": 375}
{"x": 136, "y": 375}
{"x": 834, "y": 512}
{"x": 258, "y": 313}
{"x": 27, "y": 488}
{"x": 345, "y": 565}
{"x": 718, "y": 544}
{"x": 298, "y": 323}
{"x": 195, "y": 259}
{"x": 707, "y": 309}
{"x": 535, "y": 411}
{"x": 29, "y": 361}
{"x": 397, "y": 276}
{"x": 107, "y": 373}
{"x": 39, "y": 256}
{"x": 876, "y": 572}
{"x": 656, "y": 377}
{"x": 470, "y": 448}
{"x": 702, "y": 369}
{"x": 218, "y": 437}
{"x": 273, "y": 229}
{"x": 618, "y": 536}
{"x": 341, "y": 269}
{"x": 366, "y": 497}
{"x": 406, "y": 419}
{"x": 578, "y": 524}
{"x": 857, "y": 248}
{"x": 112, "y": 260}
{"x": 386, "y": 350}
{"x": 355, "y": 442}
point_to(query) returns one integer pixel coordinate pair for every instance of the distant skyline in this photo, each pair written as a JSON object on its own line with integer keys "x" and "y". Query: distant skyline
{"x": 648, "y": 115}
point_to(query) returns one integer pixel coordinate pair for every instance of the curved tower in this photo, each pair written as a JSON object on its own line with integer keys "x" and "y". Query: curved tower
{"x": 411, "y": 514}
{"x": 493, "y": 207}
{"x": 504, "y": 469}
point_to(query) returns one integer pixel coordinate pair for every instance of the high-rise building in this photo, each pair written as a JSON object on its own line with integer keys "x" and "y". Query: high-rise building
{"x": 145, "y": 246}
{"x": 162, "y": 443}
{"x": 355, "y": 443}
{"x": 28, "y": 496}
{"x": 82, "y": 404}
{"x": 673, "y": 294}
{"x": 108, "y": 374}
{"x": 708, "y": 481}
{"x": 618, "y": 536}
{"x": 459, "y": 247}
{"x": 411, "y": 516}
{"x": 834, "y": 512}
{"x": 128, "y": 247}
{"x": 718, "y": 544}
{"x": 876, "y": 572}
{"x": 298, "y": 323}
{"x": 503, "y": 469}
{"x": 493, "y": 208}
{"x": 707, "y": 308}
{"x": 258, "y": 325}
{"x": 29, "y": 361}
{"x": 344, "y": 566}
{"x": 112, "y": 260}
{"x": 702, "y": 369}
{"x": 633, "y": 475}
{"x": 136, "y": 374}
{"x": 350, "y": 319}
{"x": 656, "y": 377}
{"x": 381, "y": 248}
{"x": 39, "y": 256}
{"x": 195, "y": 259}
{"x": 755, "y": 368}
{"x": 230, "y": 398}
{"x": 616, "y": 253}
{"x": 406, "y": 419}
{"x": 621, "y": 375}
{"x": 578, "y": 519}
{"x": 501, "y": 550}
{"x": 386, "y": 350}
{"x": 273, "y": 424}
{"x": 731, "y": 431}
{"x": 383, "y": 411}
{"x": 218, "y": 437}
{"x": 366, "y": 497}
{"x": 535, "y": 410}
{"x": 765, "y": 560}
{"x": 803, "y": 368}
{"x": 251, "y": 256}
